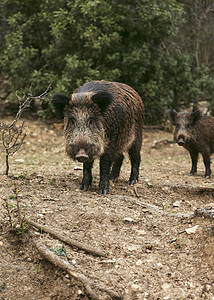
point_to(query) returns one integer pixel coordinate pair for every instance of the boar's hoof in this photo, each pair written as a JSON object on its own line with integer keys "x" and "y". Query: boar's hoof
{"x": 192, "y": 173}
{"x": 207, "y": 176}
{"x": 85, "y": 184}
{"x": 104, "y": 188}
{"x": 132, "y": 180}
{"x": 82, "y": 156}
{"x": 103, "y": 192}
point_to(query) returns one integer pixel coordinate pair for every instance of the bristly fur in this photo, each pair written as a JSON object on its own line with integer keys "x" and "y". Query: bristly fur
{"x": 105, "y": 119}
{"x": 195, "y": 133}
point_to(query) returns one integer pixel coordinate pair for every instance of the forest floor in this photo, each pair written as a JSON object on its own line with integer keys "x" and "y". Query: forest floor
{"x": 155, "y": 248}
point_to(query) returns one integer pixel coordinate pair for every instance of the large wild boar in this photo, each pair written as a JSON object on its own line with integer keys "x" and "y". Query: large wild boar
{"x": 102, "y": 120}
{"x": 195, "y": 132}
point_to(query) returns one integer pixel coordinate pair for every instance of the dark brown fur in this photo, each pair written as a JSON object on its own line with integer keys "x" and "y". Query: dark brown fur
{"x": 103, "y": 119}
{"x": 195, "y": 133}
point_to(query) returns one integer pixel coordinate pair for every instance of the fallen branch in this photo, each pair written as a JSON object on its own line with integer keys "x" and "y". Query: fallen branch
{"x": 162, "y": 143}
{"x": 191, "y": 188}
{"x": 11, "y": 267}
{"x": 172, "y": 252}
{"x": 207, "y": 212}
{"x": 66, "y": 239}
{"x": 62, "y": 264}
{"x": 154, "y": 207}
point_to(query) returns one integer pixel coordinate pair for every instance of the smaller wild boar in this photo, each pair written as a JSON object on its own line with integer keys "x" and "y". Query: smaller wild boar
{"x": 195, "y": 132}
{"x": 102, "y": 120}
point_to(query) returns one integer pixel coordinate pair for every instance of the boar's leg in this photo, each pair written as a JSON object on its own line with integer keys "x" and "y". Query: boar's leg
{"x": 87, "y": 177}
{"x": 194, "y": 158}
{"x": 105, "y": 165}
{"x": 115, "y": 172}
{"x": 206, "y": 159}
{"x": 134, "y": 154}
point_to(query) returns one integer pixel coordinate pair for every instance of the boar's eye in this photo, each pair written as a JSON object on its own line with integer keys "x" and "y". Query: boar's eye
{"x": 90, "y": 122}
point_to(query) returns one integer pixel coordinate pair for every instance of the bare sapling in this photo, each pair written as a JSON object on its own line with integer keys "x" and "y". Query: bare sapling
{"x": 12, "y": 134}
{"x": 18, "y": 223}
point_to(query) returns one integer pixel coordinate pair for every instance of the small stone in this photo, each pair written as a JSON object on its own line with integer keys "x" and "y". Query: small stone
{"x": 135, "y": 287}
{"x": 139, "y": 262}
{"x": 192, "y": 229}
{"x": 19, "y": 160}
{"x": 166, "y": 286}
{"x": 40, "y": 215}
{"x": 141, "y": 232}
{"x": 128, "y": 219}
{"x": 208, "y": 287}
{"x": 159, "y": 265}
{"x": 1, "y": 243}
{"x": 133, "y": 247}
{"x": 29, "y": 259}
{"x": 176, "y": 204}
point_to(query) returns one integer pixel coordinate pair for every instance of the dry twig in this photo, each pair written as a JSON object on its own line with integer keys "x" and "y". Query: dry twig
{"x": 66, "y": 239}
{"x": 154, "y": 207}
{"x": 207, "y": 212}
{"x": 161, "y": 143}
{"x": 11, "y": 267}
{"x": 191, "y": 188}
{"x": 62, "y": 264}
{"x": 18, "y": 224}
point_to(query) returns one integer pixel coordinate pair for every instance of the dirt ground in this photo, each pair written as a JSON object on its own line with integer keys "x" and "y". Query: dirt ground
{"x": 152, "y": 252}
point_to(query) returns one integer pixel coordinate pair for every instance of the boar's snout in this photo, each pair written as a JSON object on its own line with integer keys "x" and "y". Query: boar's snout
{"x": 82, "y": 156}
{"x": 181, "y": 140}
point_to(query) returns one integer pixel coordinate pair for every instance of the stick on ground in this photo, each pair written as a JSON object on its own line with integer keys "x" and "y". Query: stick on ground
{"x": 64, "y": 265}
{"x": 154, "y": 207}
{"x": 66, "y": 239}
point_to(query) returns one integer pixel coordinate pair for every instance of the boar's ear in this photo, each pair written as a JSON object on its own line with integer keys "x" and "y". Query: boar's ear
{"x": 59, "y": 102}
{"x": 196, "y": 115}
{"x": 102, "y": 99}
{"x": 173, "y": 113}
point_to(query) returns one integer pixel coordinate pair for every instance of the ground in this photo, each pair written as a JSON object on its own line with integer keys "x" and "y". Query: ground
{"x": 150, "y": 254}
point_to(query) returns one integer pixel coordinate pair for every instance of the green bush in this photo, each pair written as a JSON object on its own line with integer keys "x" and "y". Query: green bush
{"x": 67, "y": 43}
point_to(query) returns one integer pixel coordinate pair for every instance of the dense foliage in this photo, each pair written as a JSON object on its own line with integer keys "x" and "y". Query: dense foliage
{"x": 66, "y": 43}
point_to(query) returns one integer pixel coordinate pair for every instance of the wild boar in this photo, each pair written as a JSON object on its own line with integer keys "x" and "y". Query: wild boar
{"x": 102, "y": 120}
{"x": 195, "y": 132}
